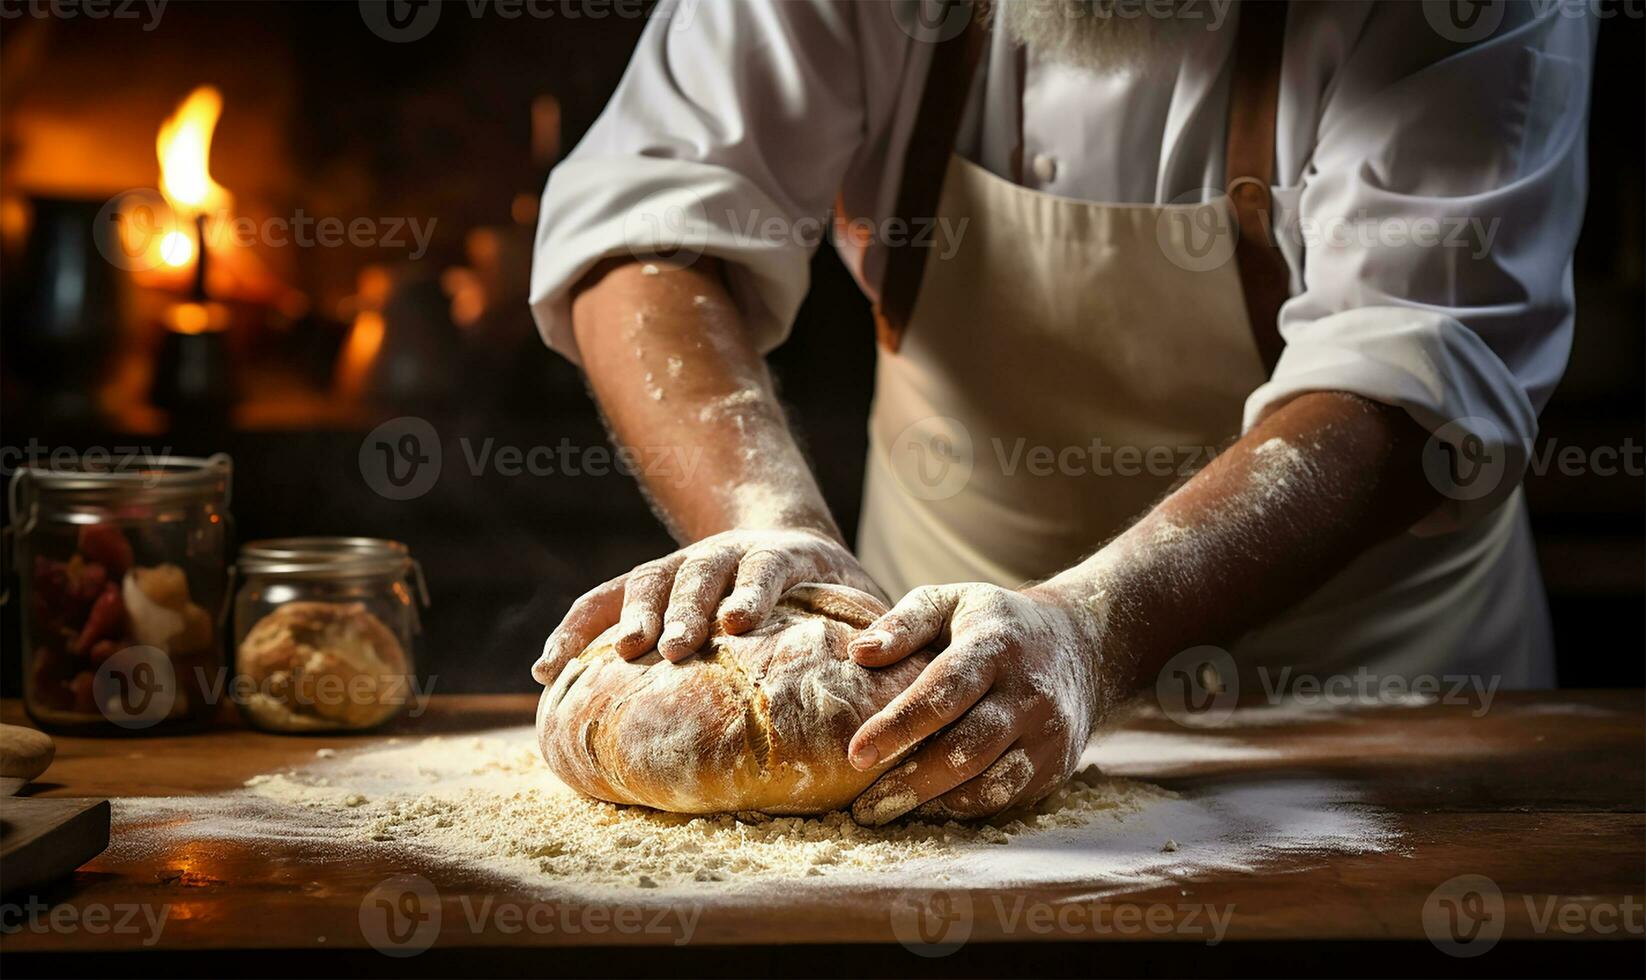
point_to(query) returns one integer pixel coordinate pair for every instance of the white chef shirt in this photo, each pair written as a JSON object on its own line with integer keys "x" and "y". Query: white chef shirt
{"x": 1431, "y": 181}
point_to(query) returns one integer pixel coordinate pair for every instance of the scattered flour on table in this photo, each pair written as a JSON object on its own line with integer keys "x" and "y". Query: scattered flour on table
{"x": 1293, "y": 711}
{"x": 488, "y": 803}
{"x": 1574, "y": 708}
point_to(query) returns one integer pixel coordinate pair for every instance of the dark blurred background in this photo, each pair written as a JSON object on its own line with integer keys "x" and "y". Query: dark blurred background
{"x": 458, "y": 128}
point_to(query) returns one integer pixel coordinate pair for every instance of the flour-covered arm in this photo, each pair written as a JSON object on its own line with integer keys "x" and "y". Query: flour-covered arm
{"x": 1002, "y": 713}
{"x": 672, "y": 253}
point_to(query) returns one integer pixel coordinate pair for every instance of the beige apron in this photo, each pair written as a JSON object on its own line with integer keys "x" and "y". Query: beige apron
{"x": 1065, "y": 367}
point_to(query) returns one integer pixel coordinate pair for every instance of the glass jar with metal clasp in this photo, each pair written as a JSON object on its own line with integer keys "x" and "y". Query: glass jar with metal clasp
{"x": 323, "y": 632}
{"x": 123, "y": 582}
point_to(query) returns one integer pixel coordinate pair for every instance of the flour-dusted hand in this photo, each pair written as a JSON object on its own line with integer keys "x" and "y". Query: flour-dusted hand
{"x": 1005, "y": 710}
{"x": 671, "y": 603}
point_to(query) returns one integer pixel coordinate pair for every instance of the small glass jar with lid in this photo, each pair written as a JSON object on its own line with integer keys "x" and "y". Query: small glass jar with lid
{"x": 123, "y": 580}
{"x": 324, "y": 631}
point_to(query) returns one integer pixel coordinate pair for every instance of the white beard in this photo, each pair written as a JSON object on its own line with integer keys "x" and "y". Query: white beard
{"x": 1106, "y": 36}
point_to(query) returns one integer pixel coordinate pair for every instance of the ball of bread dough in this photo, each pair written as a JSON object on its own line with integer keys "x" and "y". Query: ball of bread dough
{"x": 757, "y": 722}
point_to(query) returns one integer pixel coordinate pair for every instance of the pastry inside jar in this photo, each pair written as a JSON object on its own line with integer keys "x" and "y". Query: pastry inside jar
{"x": 322, "y": 665}
{"x": 162, "y": 614}
{"x": 98, "y": 603}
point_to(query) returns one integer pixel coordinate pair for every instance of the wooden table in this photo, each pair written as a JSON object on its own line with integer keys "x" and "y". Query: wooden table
{"x": 1542, "y": 795}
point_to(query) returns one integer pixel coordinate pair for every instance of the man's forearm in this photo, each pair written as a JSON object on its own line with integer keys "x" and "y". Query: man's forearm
{"x": 672, "y": 365}
{"x": 1293, "y": 501}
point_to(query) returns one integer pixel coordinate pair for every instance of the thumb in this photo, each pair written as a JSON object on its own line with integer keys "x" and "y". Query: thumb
{"x": 916, "y": 622}
{"x": 554, "y": 659}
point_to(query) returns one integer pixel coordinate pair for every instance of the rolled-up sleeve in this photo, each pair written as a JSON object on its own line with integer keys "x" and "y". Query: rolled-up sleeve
{"x": 727, "y": 137}
{"x": 1438, "y": 216}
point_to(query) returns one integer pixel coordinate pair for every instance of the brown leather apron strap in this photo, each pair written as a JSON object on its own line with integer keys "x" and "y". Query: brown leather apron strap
{"x": 1254, "y": 98}
{"x": 931, "y": 143}
{"x": 1249, "y": 164}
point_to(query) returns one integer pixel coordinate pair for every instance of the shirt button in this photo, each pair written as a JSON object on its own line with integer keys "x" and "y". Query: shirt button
{"x": 1045, "y": 168}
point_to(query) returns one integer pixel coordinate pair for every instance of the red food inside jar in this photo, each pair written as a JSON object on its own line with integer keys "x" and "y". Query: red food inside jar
{"x": 85, "y": 580}
{"x": 104, "y": 649}
{"x": 106, "y": 620}
{"x": 65, "y": 590}
{"x": 106, "y": 545}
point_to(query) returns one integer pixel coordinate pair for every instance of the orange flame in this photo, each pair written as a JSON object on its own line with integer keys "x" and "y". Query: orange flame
{"x": 184, "y": 147}
{"x": 359, "y": 351}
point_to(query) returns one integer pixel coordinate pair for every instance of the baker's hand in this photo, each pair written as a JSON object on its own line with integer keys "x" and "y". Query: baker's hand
{"x": 671, "y": 603}
{"x": 1013, "y": 692}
